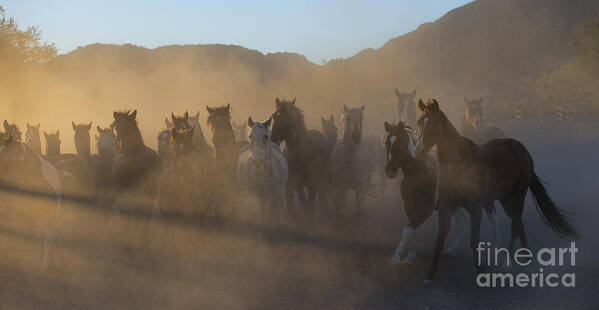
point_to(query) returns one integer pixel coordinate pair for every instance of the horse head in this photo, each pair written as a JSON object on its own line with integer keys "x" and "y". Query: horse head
{"x": 398, "y": 145}
{"x": 180, "y": 122}
{"x": 433, "y": 126}
{"x": 127, "y": 132}
{"x": 82, "y": 140}
{"x": 32, "y": 137}
{"x": 106, "y": 140}
{"x": 406, "y": 104}
{"x": 219, "y": 120}
{"x": 288, "y": 120}
{"x": 260, "y": 141}
{"x": 352, "y": 122}
{"x": 182, "y": 140}
{"x": 329, "y": 128}
{"x": 52, "y": 143}
{"x": 13, "y": 130}
{"x": 474, "y": 112}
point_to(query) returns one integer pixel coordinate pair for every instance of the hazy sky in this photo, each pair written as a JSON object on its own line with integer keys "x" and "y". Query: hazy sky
{"x": 317, "y": 29}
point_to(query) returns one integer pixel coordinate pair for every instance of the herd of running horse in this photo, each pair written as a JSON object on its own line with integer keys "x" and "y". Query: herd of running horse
{"x": 284, "y": 164}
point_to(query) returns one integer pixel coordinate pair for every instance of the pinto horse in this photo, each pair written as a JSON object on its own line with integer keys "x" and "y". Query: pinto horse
{"x": 472, "y": 176}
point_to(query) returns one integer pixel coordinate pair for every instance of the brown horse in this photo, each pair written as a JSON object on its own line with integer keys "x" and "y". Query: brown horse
{"x": 306, "y": 152}
{"x": 471, "y": 176}
{"x": 474, "y": 126}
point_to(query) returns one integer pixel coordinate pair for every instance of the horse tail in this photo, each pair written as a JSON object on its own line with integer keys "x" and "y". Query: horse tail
{"x": 550, "y": 213}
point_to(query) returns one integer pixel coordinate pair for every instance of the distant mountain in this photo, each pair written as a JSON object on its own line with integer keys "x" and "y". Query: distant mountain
{"x": 480, "y": 49}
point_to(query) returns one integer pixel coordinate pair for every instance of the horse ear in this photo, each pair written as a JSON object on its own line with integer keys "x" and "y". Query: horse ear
{"x": 89, "y": 126}
{"x": 433, "y": 106}
{"x": 421, "y": 105}
{"x": 99, "y": 129}
{"x": 332, "y": 118}
{"x": 28, "y": 125}
{"x": 114, "y": 114}
{"x": 387, "y": 127}
{"x": 397, "y": 92}
{"x": 414, "y": 92}
{"x": 293, "y": 102}
{"x": 250, "y": 122}
{"x": 58, "y": 133}
{"x": 345, "y": 108}
{"x": 267, "y": 123}
{"x": 166, "y": 123}
{"x": 134, "y": 114}
{"x": 74, "y": 126}
{"x": 186, "y": 116}
{"x": 277, "y": 101}
{"x": 362, "y": 108}
{"x": 6, "y": 125}
{"x": 228, "y": 106}
{"x": 209, "y": 109}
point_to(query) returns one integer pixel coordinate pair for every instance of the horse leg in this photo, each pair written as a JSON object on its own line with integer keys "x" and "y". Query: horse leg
{"x": 292, "y": 184}
{"x": 444, "y": 225}
{"x": 475, "y": 219}
{"x": 518, "y": 204}
{"x": 360, "y": 196}
{"x": 407, "y": 238}
{"x": 492, "y": 215}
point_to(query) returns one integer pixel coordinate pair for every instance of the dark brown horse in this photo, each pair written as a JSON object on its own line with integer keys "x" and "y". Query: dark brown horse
{"x": 472, "y": 176}
{"x": 223, "y": 172}
{"x": 306, "y": 152}
{"x": 136, "y": 169}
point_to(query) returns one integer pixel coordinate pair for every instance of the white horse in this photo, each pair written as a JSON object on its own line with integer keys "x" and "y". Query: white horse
{"x": 351, "y": 160}
{"x": 262, "y": 169}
